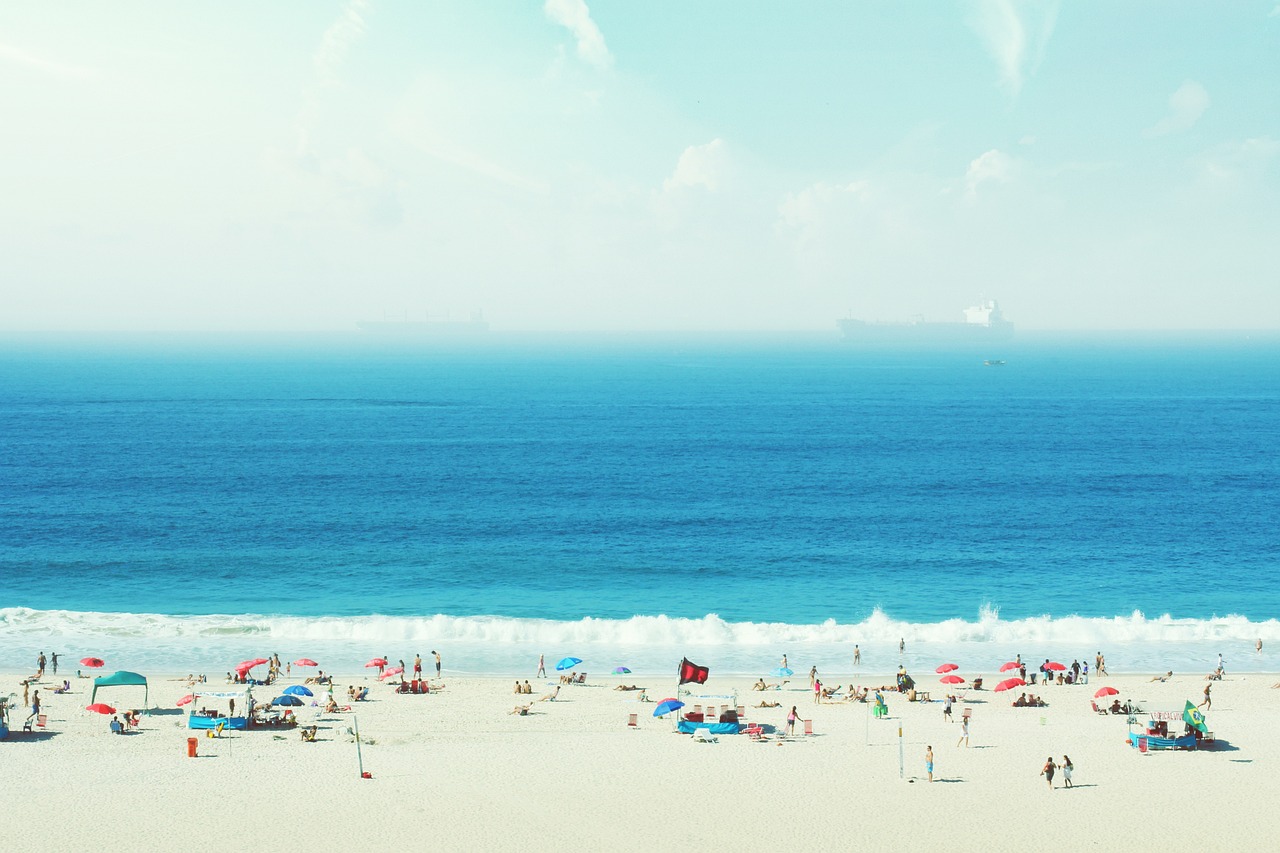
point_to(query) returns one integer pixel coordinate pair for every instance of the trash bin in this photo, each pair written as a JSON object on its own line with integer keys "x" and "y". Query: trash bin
{"x": 191, "y": 746}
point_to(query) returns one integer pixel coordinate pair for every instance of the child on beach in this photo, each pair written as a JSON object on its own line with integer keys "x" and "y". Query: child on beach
{"x": 928, "y": 761}
{"x": 792, "y": 715}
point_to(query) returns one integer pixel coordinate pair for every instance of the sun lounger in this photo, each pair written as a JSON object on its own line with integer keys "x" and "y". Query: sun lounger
{"x": 754, "y": 732}
{"x": 1097, "y": 710}
{"x": 703, "y": 735}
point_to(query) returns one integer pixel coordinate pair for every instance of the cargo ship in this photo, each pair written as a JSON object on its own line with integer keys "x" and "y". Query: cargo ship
{"x": 983, "y": 323}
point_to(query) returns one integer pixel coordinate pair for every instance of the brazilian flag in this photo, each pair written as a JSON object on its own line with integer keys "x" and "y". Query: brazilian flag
{"x": 1192, "y": 717}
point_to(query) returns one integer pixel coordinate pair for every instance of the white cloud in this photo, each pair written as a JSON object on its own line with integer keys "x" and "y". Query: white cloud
{"x": 1015, "y": 35}
{"x": 993, "y": 165}
{"x": 1235, "y": 160}
{"x": 9, "y": 53}
{"x": 1185, "y": 108}
{"x": 337, "y": 40}
{"x": 574, "y": 16}
{"x": 806, "y": 208}
{"x": 699, "y": 166}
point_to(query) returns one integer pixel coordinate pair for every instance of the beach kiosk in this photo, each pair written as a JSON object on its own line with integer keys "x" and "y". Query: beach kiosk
{"x": 198, "y": 720}
{"x": 121, "y": 679}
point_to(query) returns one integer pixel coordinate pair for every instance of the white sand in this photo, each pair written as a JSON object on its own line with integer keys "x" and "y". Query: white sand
{"x": 454, "y": 769}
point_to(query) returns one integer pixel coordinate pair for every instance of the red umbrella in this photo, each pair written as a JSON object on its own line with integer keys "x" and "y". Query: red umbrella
{"x": 1106, "y": 691}
{"x": 92, "y": 662}
{"x": 1009, "y": 684}
{"x": 395, "y": 670}
{"x": 246, "y": 665}
{"x": 1013, "y": 664}
{"x": 305, "y": 662}
{"x": 947, "y": 667}
{"x": 186, "y": 700}
{"x": 951, "y": 679}
{"x": 1055, "y": 666}
{"x": 376, "y": 662}
{"x": 101, "y": 708}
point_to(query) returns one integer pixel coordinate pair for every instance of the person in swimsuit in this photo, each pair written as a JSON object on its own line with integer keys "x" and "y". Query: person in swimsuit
{"x": 437, "y": 654}
{"x": 928, "y": 761}
{"x": 1067, "y": 767}
{"x": 1047, "y": 771}
{"x": 857, "y": 654}
{"x": 792, "y": 716}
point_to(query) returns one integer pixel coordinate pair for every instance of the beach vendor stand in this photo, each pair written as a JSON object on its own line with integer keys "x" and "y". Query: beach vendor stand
{"x": 722, "y": 724}
{"x": 1156, "y": 735}
{"x": 121, "y": 679}
{"x": 199, "y": 720}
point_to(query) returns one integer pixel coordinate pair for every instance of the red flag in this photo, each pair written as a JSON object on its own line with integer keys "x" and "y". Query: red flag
{"x": 692, "y": 672}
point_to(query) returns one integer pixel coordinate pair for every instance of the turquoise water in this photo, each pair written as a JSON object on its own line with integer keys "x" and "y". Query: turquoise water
{"x": 181, "y": 502}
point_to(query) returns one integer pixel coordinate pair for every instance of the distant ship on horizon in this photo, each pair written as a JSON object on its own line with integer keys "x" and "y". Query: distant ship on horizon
{"x": 407, "y": 328}
{"x": 983, "y": 323}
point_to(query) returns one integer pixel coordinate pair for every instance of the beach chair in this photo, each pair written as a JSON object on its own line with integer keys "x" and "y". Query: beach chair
{"x": 1097, "y": 710}
{"x": 697, "y": 709}
{"x": 704, "y": 735}
{"x": 41, "y": 720}
{"x": 808, "y": 727}
{"x": 967, "y": 713}
{"x": 631, "y": 720}
{"x": 742, "y": 711}
{"x": 754, "y": 732}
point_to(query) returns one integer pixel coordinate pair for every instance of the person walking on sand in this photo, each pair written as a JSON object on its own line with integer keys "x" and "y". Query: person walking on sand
{"x": 1047, "y": 771}
{"x": 792, "y": 716}
{"x": 40, "y": 664}
{"x": 928, "y": 761}
{"x": 1221, "y": 668}
{"x": 542, "y": 667}
{"x": 437, "y": 654}
{"x": 1067, "y": 767}
{"x": 53, "y": 660}
{"x": 964, "y": 732}
{"x": 817, "y": 691}
{"x": 857, "y": 653}
{"x": 1100, "y": 665}
{"x": 946, "y": 710}
{"x": 1208, "y": 702}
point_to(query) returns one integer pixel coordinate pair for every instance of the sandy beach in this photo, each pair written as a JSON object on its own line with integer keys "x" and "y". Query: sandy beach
{"x": 455, "y": 768}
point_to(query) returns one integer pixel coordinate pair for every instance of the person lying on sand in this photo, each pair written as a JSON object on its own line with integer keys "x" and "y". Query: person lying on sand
{"x": 521, "y": 710}
{"x": 628, "y": 687}
{"x": 1164, "y": 677}
{"x": 550, "y": 697}
{"x": 769, "y": 705}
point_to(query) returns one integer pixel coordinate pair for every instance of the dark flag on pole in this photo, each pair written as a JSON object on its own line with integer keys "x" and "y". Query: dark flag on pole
{"x": 692, "y": 672}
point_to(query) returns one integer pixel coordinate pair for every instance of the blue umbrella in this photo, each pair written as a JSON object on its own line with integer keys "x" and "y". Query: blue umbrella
{"x": 568, "y": 663}
{"x": 297, "y": 690}
{"x": 666, "y": 706}
{"x": 621, "y": 670}
{"x": 782, "y": 672}
{"x": 289, "y": 700}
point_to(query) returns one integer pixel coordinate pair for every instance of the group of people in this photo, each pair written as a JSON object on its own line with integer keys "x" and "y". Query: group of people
{"x": 1032, "y": 701}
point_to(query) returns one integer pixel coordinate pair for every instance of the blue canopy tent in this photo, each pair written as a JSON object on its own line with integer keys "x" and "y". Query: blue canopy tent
{"x": 121, "y": 679}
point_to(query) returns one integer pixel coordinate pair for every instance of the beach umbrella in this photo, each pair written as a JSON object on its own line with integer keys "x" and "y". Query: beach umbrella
{"x": 376, "y": 662}
{"x": 568, "y": 663}
{"x": 1055, "y": 666}
{"x": 1106, "y": 691}
{"x": 288, "y": 699}
{"x": 666, "y": 706}
{"x": 93, "y": 663}
{"x": 186, "y": 700}
{"x": 395, "y": 670}
{"x": 1009, "y": 684}
{"x": 621, "y": 670}
{"x": 298, "y": 690}
{"x": 305, "y": 662}
{"x": 947, "y": 667}
{"x": 951, "y": 679}
{"x": 246, "y": 665}
{"x": 1013, "y": 664}
{"x": 101, "y": 708}
{"x": 783, "y": 672}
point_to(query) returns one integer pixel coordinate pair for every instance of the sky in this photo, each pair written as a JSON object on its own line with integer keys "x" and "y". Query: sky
{"x": 622, "y": 165}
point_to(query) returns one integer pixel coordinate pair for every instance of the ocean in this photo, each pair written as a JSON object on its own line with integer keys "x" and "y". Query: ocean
{"x": 181, "y": 504}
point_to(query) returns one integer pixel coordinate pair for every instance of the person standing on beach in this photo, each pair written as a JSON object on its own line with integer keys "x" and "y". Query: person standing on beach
{"x": 813, "y": 675}
{"x": 417, "y": 666}
{"x": 40, "y": 662}
{"x": 1084, "y": 672}
{"x": 902, "y": 645}
{"x": 53, "y": 659}
{"x": 382, "y": 665}
{"x": 437, "y": 654}
{"x": 1101, "y": 664}
{"x": 784, "y": 662}
{"x": 542, "y": 667}
{"x": 1047, "y": 771}
{"x": 928, "y": 761}
{"x": 1067, "y": 767}
{"x": 792, "y": 715}
{"x": 35, "y": 705}
{"x": 1221, "y": 669}
{"x": 964, "y": 732}
{"x": 857, "y": 653}
{"x": 817, "y": 691}
{"x": 946, "y": 710}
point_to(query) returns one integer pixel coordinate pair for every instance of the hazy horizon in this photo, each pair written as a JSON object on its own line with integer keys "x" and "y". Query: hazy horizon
{"x": 602, "y": 167}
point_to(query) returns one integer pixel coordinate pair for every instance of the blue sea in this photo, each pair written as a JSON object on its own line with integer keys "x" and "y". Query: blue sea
{"x": 178, "y": 504}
